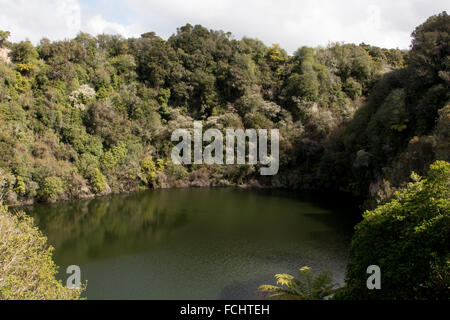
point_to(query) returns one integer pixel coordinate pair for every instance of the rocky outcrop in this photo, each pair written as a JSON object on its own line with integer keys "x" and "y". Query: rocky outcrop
{"x": 4, "y": 55}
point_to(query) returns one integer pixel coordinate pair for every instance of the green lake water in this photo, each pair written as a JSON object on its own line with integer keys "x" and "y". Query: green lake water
{"x": 195, "y": 243}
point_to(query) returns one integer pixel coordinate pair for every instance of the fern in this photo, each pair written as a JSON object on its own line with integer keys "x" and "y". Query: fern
{"x": 306, "y": 287}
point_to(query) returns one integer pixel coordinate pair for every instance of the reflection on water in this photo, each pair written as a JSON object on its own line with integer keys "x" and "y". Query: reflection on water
{"x": 193, "y": 243}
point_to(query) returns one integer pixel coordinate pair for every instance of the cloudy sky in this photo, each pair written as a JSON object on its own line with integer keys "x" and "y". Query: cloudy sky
{"x": 291, "y": 23}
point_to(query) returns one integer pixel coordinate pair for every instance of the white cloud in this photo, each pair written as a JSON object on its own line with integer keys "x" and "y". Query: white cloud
{"x": 291, "y": 23}
{"x": 56, "y": 19}
{"x": 97, "y": 25}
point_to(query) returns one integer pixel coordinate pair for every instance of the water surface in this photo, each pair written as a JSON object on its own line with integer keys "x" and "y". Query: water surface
{"x": 194, "y": 243}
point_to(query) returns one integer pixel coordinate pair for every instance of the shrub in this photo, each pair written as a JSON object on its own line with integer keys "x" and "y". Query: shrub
{"x": 27, "y": 271}
{"x": 160, "y": 164}
{"x": 24, "y": 52}
{"x": 20, "y": 188}
{"x": 114, "y": 158}
{"x": 175, "y": 171}
{"x": 81, "y": 97}
{"x": 148, "y": 169}
{"x": 52, "y": 188}
{"x": 98, "y": 180}
{"x": 409, "y": 239}
{"x": 353, "y": 88}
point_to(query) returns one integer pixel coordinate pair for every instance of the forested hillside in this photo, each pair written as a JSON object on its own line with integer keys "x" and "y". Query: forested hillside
{"x": 94, "y": 115}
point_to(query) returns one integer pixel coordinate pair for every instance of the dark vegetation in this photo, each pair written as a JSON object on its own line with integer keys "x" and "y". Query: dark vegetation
{"x": 409, "y": 239}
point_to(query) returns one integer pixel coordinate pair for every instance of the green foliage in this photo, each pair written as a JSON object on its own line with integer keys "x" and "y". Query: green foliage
{"x": 306, "y": 287}
{"x": 20, "y": 186}
{"x": 177, "y": 172}
{"x": 105, "y": 102}
{"x": 403, "y": 108}
{"x": 442, "y": 132}
{"x": 430, "y": 50}
{"x": 82, "y": 116}
{"x": 51, "y": 189}
{"x": 98, "y": 180}
{"x": 160, "y": 164}
{"x": 24, "y": 52}
{"x": 114, "y": 157}
{"x": 408, "y": 238}
{"x": 4, "y": 35}
{"x": 352, "y": 88}
{"x": 27, "y": 271}
{"x": 149, "y": 171}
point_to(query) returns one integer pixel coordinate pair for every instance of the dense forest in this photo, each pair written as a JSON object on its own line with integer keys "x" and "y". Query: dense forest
{"x": 94, "y": 115}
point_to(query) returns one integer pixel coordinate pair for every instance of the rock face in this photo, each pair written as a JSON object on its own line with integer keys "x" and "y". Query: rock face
{"x": 106, "y": 191}
{"x": 4, "y": 55}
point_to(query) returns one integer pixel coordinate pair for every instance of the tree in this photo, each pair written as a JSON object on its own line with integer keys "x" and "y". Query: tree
{"x": 353, "y": 88}
{"x": 90, "y": 93}
{"x": 409, "y": 239}
{"x": 430, "y": 50}
{"x": 24, "y": 52}
{"x": 27, "y": 271}
{"x": 276, "y": 56}
{"x": 4, "y": 35}
{"x": 304, "y": 83}
{"x": 305, "y": 287}
{"x": 442, "y": 133}
{"x": 153, "y": 59}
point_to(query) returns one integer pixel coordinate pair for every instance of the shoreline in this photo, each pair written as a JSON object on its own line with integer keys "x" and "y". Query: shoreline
{"x": 339, "y": 199}
{"x": 32, "y": 202}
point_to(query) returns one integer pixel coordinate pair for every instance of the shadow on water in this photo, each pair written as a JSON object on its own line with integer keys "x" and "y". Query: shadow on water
{"x": 244, "y": 289}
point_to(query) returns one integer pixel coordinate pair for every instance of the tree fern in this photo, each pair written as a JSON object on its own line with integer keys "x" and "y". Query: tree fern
{"x": 306, "y": 287}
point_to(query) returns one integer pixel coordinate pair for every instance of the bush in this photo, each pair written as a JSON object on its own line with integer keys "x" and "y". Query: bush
{"x": 81, "y": 97}
{"x": 408, "y": 238}
{"x": 114, "y": 158}
{"x": 353, "y": 88}
{"x": 27, "y": 271}
{"x": 52, "y": 188}
{"x": 149, "y": 171}
{"x": 98, "y": 180}
{"x": 442, "y": 133}
{"x": 20, "y": 188}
